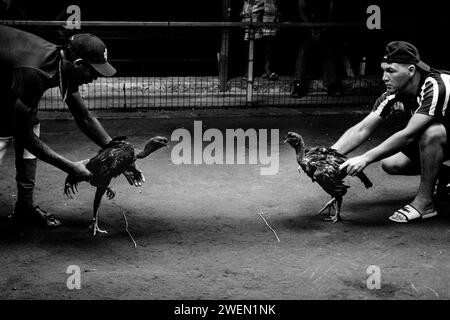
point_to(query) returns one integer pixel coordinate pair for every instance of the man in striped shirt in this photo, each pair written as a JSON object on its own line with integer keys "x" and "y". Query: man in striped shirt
{"x": 419, "y": 148}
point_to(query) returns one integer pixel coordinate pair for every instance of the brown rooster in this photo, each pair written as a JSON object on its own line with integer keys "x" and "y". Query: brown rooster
{"x": 321, "y": 164}
{"x": 112, "y": 160}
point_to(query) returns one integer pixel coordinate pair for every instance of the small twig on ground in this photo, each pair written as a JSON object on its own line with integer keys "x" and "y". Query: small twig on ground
{"x": 434, "y": 291}
{"x": 323, "y": 274}
{"x": 126, "y": 228}
{"x": 414, "y": 287}
{"x": 261, "y": 215}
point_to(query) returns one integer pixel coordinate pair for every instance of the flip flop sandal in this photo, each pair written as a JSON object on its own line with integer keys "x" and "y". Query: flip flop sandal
{"x": 442, "y": 191}
{"x": 38, "y": 218}
{"x": 409, "y": 214}
{"x": 43, "y": 219}
{"x": 272, "y": 76}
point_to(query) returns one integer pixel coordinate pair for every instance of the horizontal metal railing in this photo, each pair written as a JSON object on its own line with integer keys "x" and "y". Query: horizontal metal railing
{"x": 187, "y": 24}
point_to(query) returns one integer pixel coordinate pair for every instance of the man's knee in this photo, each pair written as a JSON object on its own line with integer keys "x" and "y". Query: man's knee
{"x": 4, "y": 143}
{"x": 21, "y": 152}
{"x": 399, "y": 164}
{"x": 390, "y": 167}
{"x": 435, "y": 135}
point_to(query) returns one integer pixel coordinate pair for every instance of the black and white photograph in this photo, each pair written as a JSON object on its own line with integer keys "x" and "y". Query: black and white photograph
{"x": 242, "y": 153}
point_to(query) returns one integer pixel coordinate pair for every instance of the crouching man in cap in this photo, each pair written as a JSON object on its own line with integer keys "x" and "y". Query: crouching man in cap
{"x": 423, "y": 145}
{"x": 29, "y": 66}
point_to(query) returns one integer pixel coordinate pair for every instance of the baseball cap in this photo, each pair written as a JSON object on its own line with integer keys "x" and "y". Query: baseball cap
{"x": 91, "y": 49}
{"x": 404, "y": 52}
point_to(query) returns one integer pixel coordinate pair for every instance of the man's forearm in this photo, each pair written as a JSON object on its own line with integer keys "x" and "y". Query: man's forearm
{"x": 93, "y": 129}
{"x": 358, "y": 134}
{"x": 42, "y": 151}
{"x": 23, "y": 119}
{"x": 350, "y": 140}
{"x": 87, "y": 123}
{"x": 389, "y": 147}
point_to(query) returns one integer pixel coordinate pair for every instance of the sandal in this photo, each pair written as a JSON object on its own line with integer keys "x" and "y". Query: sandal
{"x": 36, "y": 218}
{"x": 442, "y": 191}
{"x": 270, "y": 76}
{"x": 408, "y": 214}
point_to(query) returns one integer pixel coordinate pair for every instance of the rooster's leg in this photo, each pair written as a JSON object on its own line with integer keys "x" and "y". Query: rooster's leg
{"x": 98, "y": 198}
{"x": 337, "y": 215}
{"x": 328, "y": 206}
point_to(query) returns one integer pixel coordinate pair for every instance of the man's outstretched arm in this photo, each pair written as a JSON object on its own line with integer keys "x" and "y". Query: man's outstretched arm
{"x": 87, "y": 123}
{"x": 359, "y": 133}
{"x": 415, "y": 127}
{"x": 23, "y": 124}
{"x": 94, "y": 130}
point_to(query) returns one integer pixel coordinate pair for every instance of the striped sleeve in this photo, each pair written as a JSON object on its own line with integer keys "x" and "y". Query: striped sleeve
{"x": 385, "y": 105}
{"x": 433, "y": 97}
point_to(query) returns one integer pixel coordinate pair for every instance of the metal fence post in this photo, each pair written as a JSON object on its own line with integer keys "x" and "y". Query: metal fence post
{"x": 224, "y": 48}
{"x": 251, "y": 54}
{"x": 124, "y": 96}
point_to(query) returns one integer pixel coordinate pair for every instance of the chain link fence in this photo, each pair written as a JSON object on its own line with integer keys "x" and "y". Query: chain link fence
{"x": 168, "y": 65}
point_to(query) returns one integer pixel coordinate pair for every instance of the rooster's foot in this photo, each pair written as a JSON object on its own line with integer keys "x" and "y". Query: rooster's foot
{"x": 96, "y": 229}
{"x": 70, "y": 189}
{"x": 329, "y": 205}
{"x": 333, "y": 219}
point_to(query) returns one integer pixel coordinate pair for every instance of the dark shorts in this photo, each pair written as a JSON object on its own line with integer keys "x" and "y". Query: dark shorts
{"x": 412, "y": 150}
{"x": 6, "y": 108}
{"x": 6, "y": 115}
{"x": 7, "y": 99}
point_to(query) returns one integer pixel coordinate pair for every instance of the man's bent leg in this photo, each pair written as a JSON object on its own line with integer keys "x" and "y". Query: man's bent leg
{"x": 400, "y": 164}
{"x": 4, "y": 143}
{"x": 26, "y": 164}
{"x": 25, "y": 210}
{"x": 432, "y": 146}
{"x": 443, "y": 185}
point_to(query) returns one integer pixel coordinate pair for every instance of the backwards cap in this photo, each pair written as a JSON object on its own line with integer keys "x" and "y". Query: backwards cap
{"x": 404, "y": 52}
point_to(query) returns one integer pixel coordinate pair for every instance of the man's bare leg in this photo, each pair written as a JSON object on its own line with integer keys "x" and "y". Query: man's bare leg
{"x": 400, "y": 164}
{"x": 432, "y": 146}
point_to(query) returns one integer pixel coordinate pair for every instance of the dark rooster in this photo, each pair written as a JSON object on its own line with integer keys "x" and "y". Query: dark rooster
{"x": 321, "y": 164}
{"x": 112, "y": 160}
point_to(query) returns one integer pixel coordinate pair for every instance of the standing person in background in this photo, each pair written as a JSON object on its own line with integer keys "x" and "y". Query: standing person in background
{"x": 263, "y": 11}
{"x": 4, "y": 6}
{"x": 316, "y": 11}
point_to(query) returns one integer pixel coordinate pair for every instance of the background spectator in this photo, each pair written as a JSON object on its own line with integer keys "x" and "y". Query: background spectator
{"x": 325, "y": 38}
{"x": 262, "y": 11}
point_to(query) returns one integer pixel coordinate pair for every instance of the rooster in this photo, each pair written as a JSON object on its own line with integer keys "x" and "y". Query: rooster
{"x": 113, "y": 159}
{"x": 321, "y": 164}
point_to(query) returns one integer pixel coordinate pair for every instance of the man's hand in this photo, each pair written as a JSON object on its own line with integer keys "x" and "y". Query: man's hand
{"x": 81, "y": 170}
{"x": 134, "y": 176}
{"x": 355, "y": 165}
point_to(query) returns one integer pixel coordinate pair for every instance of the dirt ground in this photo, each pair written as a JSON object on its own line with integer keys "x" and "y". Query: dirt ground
{"x": 199, "y": 235}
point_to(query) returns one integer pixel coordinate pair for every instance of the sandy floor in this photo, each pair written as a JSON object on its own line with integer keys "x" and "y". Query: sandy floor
{"x": 199, "y": 235}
